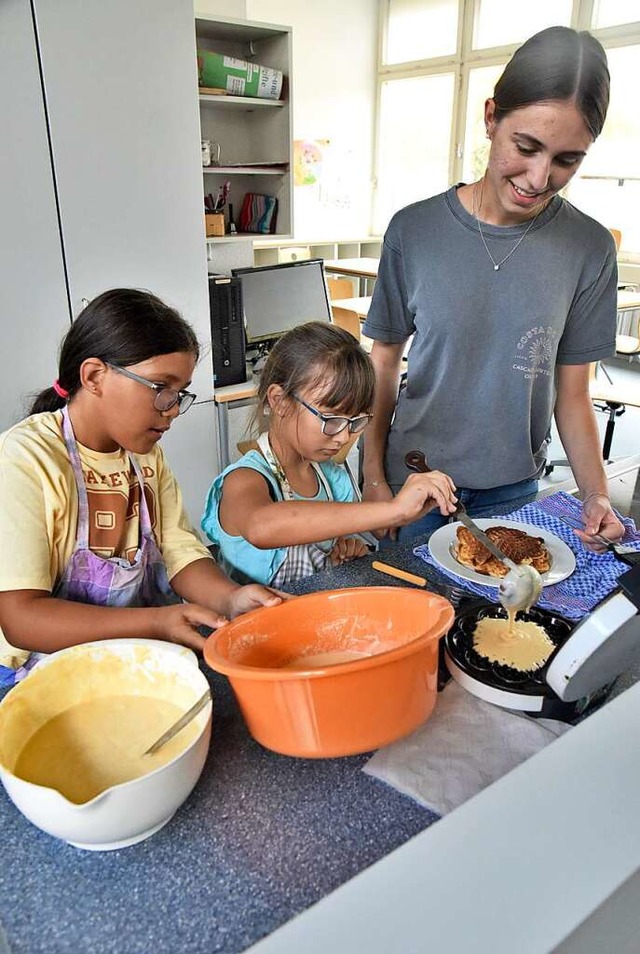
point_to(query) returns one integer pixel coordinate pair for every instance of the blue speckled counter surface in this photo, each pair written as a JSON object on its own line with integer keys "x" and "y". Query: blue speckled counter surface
{"x": 261, "y": 838}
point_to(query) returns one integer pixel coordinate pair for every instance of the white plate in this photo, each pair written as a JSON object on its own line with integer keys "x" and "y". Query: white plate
{"x": 443, "y": 541}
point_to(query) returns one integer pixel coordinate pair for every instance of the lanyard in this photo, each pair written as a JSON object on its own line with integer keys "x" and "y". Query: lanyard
{"x": 277, "y": 470}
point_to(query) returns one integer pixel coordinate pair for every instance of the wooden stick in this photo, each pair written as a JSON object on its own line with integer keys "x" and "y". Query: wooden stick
{"x": 400, "y": 574}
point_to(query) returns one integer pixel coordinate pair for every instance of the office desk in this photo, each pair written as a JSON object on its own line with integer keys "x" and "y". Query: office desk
{"x": 229, "y": 397}
{"x": 360, "y": 268}
{"x": 359, "y": 305}
{"x": 628, "y": 301}
{"x": 236, "y": 396}
{"x": 243, "y": 395}
{"x": 356, "y": 267}
{"x": 628, "y": 305}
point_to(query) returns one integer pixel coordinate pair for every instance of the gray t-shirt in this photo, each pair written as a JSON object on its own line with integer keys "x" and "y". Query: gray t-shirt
{"x": 480, "y": 386}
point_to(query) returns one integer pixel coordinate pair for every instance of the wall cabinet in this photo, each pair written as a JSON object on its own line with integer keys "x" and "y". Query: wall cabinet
{"x": 101, "y": 186}
{"x": 35, "y": 308}
{"x": 254, "y": 135}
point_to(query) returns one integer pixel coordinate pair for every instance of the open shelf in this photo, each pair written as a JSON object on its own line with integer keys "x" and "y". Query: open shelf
{"x": 250, "y": 130}
{"x": 238, "y": 102}
{"x": 240, "y": 237}
{"x": 277, "y": 169}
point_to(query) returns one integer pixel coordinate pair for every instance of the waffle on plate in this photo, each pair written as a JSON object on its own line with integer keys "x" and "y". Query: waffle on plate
{"x": 519, "y": 546}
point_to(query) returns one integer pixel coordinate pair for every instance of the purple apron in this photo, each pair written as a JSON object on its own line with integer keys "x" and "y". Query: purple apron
{"x": 89, "y": 578}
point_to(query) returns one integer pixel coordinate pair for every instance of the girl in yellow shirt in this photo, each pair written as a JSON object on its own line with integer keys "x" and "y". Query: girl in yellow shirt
{"x": 94, "y": 540}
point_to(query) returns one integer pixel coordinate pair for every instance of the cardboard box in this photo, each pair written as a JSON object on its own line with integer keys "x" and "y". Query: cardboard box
{"x": 214, "y": 223}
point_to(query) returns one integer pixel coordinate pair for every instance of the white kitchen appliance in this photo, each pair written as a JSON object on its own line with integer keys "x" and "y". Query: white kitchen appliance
{"x": 588, "y": 656}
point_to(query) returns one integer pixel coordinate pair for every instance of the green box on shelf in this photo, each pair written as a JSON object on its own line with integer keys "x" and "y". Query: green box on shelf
{"x": 238, "y": 77}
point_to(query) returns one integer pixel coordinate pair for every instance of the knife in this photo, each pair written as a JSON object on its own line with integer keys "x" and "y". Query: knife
{"x": 482, "y": 537}
{"x": 416, "y": 461}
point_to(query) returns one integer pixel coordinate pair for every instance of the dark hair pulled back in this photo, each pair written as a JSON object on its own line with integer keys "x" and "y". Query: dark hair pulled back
{"x": 123, "y": 326}
{"x": 323, "y": 358}
{"x": 557, "y": 64}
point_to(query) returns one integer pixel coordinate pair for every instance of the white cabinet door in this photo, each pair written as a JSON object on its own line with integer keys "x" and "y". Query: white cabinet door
{"x": 120, "y": 83}
{"x": 34, "y": 310}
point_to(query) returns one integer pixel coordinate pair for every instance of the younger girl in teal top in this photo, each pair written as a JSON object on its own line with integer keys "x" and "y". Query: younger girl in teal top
{"x": 286, "y": 509}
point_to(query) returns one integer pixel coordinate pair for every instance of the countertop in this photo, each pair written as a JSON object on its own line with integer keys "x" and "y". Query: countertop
{"x": 261, "y": 838}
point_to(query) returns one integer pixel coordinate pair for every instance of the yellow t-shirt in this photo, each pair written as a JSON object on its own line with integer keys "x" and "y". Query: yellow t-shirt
{"x": 39, "y": 509}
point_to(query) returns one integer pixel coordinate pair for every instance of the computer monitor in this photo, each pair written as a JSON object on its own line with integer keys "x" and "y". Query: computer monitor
{"x": 276, "y": 298}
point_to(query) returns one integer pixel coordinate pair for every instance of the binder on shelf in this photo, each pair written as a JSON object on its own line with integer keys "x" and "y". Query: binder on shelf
{"x": 259, "y": 213}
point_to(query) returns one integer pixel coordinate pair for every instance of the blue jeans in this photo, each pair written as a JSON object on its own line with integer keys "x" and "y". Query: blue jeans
{"x": 479, "y": 503}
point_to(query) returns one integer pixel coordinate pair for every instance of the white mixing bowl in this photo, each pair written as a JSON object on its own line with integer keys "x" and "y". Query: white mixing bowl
{"x": 131, "y": 811}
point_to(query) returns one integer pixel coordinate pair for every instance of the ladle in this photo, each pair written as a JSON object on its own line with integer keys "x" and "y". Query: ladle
{"x": 180, "y": 723}
{"x": 522, "y": 585}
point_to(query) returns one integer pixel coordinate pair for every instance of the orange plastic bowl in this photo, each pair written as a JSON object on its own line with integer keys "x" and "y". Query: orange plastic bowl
{"x": 318, "y": 710}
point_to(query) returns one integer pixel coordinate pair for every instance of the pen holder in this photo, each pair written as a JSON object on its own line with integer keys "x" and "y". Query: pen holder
{"x": 214, "y": 223}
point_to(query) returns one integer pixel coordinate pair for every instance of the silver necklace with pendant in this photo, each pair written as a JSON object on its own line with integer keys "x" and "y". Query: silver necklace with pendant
{"x": 497, "y": 265}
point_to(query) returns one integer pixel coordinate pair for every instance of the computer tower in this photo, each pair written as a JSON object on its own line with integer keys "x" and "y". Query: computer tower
{"x": 227, "y": 331}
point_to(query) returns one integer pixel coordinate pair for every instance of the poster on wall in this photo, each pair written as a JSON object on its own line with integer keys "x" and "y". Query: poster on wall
{"x": 308, "y": 155}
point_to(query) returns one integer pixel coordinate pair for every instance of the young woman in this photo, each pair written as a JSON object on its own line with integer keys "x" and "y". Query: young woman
{"x": 510, "y": 293}
{"x": 94, "y": 541}
{"x": 285, "y": 510}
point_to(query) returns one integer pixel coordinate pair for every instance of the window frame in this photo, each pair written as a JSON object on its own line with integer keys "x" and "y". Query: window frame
{"x": 462, "y": 62}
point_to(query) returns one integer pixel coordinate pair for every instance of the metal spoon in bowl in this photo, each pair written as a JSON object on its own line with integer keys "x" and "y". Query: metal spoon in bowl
{"x": 522, "y": 585}
{"x": 180, "y": 723}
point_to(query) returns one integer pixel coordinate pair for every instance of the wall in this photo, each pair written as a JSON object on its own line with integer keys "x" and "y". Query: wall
{"x": 123, "y": 152}
{"x": 334, "y": 88}
{"x": 334, "y": 83}
{"x": 234, "y": 9}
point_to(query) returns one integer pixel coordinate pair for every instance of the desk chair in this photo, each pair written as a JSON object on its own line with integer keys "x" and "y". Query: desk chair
{"x": 613, "y": 399}
{"x": 347, "y": 319}
{"x": 339, "y": 288}
{"x": 343, "y": 317}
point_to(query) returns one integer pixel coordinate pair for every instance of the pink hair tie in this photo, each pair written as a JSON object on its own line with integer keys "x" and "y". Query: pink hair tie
{"x": 60, "y": 391}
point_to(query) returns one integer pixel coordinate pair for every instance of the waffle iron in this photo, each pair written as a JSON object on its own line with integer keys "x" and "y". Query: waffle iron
{"x": 578, "y": 675}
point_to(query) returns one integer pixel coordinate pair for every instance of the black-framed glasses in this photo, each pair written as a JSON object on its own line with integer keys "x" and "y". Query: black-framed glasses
{"x": 333, "y": 424}
{"x": 166, "y": 397}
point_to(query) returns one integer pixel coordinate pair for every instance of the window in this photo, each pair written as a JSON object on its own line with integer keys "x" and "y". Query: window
{"x": 418, "y": 31}
{"x": 482, "y": 79}
{"x": 416, "y": 117}
{"x": 495, "y": 24}
{"x": 607, "y": 185}
{"x": 608, "y": 13}
{"x": 440, "y": 60}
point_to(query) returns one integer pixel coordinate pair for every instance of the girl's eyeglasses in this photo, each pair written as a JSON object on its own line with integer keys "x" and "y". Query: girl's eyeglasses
{"x": 166, "y": 397}
{"x": 333, "y": 424}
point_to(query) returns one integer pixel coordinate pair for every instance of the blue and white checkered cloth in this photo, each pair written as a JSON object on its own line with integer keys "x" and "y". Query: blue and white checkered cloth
{"x": 595, "y": 575}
